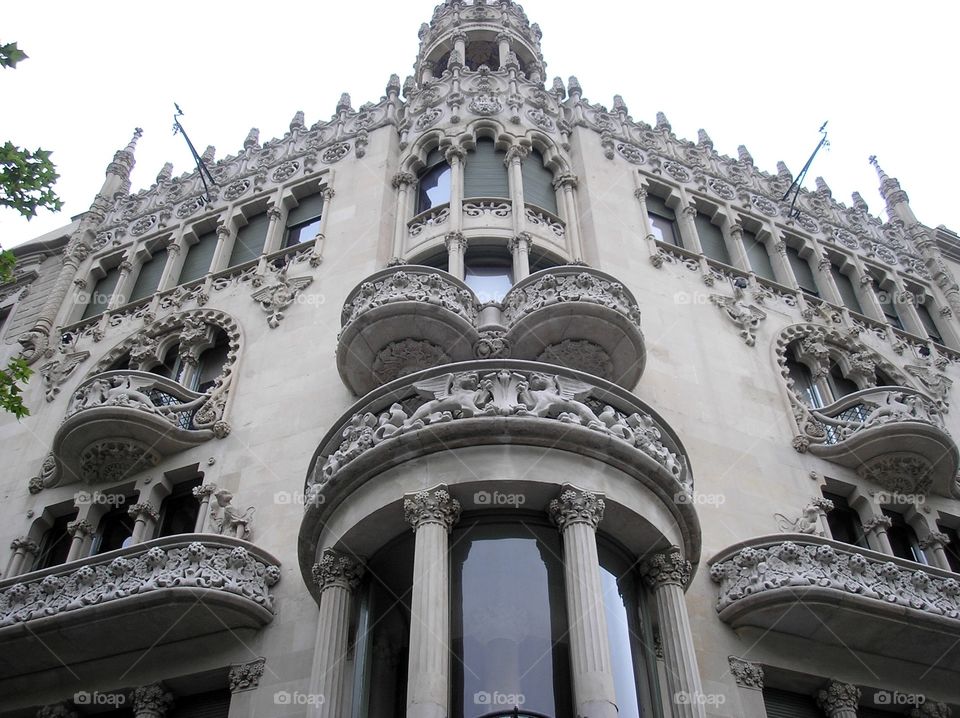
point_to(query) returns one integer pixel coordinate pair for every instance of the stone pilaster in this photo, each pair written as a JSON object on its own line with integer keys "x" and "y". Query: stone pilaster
{"x": 934, "y": 545}
{"x": 21, "y": 547}
{"x": 456, "y": 249}
{"x": 666, "y": 574}
{"x": 839, "y": 700}
{"x": 80, "y": 531}
{"x": 203, "y": 494}
{"x": 520, "y": 249}
{"x": 749, "y": 678}
{"x": 577, "y": 514}
{"x": 151, "y": 701}
{"x": 432, "y": 513}
{"x": 337, "y": 576}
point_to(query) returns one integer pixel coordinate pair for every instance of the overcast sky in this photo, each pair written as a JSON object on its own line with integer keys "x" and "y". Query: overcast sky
{"x": 762, "y": 74}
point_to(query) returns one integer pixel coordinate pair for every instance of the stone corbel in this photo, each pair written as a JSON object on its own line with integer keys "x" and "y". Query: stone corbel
{"x": 746, "y": 317}
{"x": 246, "y": 676}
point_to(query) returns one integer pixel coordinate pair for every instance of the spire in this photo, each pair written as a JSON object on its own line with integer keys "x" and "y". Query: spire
{"x": 297, "y": 122}
{"x": 253, "y": 139}
{"x": 703, "y": 139}
{"x": 823, "y": 188}
{"x": 663, "y": 123}
{"x": 117, "y": 181}
{"x": 889, "y": 188}
{"x": 859, "y": 203}
{"x": 132, "y": 144}
{"x": 166, "y": 173}
{"x": 783, "y": 172}
{"x": 744, "y": 156}
{"x": 344, "y": 105}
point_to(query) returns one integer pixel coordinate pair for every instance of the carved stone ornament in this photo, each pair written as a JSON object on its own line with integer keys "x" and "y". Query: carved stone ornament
{"x": 746, "y": 317}
{"x": 936, "y": 384}
{"x": 228, "y": 519}
{"x": 406, "y": 357}
{"x": 25, "y": 544}
{"x": 410, "y": 285}
{"x": 143, "y": 509}
{"x": 462, "y": 395}
{"x": 56, "y": 372}
{"x": 900, "y": 473}
{"x": 152, "y": 700}
{"x": 113, "y": 460}
{"x": 575, "y": 506}
{"x": 631, "y": 153}
{"x": 246, "y": 676}
{"x": 236, "y": 189}
{"x": 492, "y": 344}
{"x": 285, "y": 171}
{"x": 431, "y": 506}
{"x": 745, "y": 673}
{"x": 579, "y": 287}
{"x": 485, "y": 104}
{"x": 838, "y": 697}
{"x": 931, "y": 709}
{"x": 809, "y": 521}
{"x": 579, "y": 354}
{"x": 275, "y": 298}
{"x": 231, "y": 570}
{"x": 665, "y": 568}
{"x": 877, "y": 524}
{"x": 335, "y": 153}
{"x": 337, "y": 570}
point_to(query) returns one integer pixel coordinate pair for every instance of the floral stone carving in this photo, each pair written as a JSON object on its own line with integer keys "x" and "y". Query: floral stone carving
{"x": 579, "y": 354}
{"x": 406, "y": 357}
{"x": 246, "y": 676}
{"x": 109, "y": 461}
{"x": 275, "y": 298}
{"x": 409, "y": 285}
{"x": 578, "y": 287}
{"x": 744, "y": 316}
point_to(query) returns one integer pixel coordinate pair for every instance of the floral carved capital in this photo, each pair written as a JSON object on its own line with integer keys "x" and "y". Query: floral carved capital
{"x": 838, "y": 697}
{"x": 433, "y": 506}
{"x": 152, "y": 700}
{"x": 745, "y": 673}
{"x": 246, "y": 676}
{"x": 669, "y": 567}
{"x": 575, "y": 506}
{"x": 337, "y": 570}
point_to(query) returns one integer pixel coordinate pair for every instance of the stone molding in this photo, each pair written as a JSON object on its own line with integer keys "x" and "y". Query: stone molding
{"x": 338, "y": 570}
{"x": 189, "y": 562}
{"x": 745, "y": 673}
{"x": 431, "y": 506}
{"x": 576, "y": 506}
{"x": 668, "y": 567}
{"x": 246, "y": 676}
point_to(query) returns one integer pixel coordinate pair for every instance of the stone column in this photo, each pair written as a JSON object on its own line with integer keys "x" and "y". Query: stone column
{"x": 456, "y": 249}
{"x": 566, "y": 184}
{"x": 577, "y": 514}
{"x": 749, "y": 678}
{"x": 520, "y": 249}
{"x": 839, "y": 700}
{"x": 328, "y": 195}
{"x": 203, "y": 494}
{"x": 454, "y": 157}
{"x": 876, "y": 531}
{"x": 152, "y": 701}
{"x": 402, "y": 182}
{"x": 515, "y": 156}
{"x": 337, "y": 576}
{"x": 122, "y": 290}
{"x": 21, "y": 547}
{"x": 503, "y": 47}
{"x": 739, "y": 255}
{"x": 144, "y": 517}
{"x": 171, "y": 270}
{"x": 80, "y": 532}
{"x": 934, "y": 546}
{"x": 666, "y": 574}
{"x": 432, "y": 513}
{"x": 221, "y": 253}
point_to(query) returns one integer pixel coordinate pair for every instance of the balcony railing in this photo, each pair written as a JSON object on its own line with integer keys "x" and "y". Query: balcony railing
{"x": 846, "y": 595}
{"x": 134, "y": 598}
{"x": 119, "y": 421}
{"x": 892, "y": 434}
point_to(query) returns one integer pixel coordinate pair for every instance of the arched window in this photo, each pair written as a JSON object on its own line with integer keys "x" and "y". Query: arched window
{"x": 484, "y": 174}
{"x": 840, "y": 385}
{"x": 433, "y": 186}
{"x": 197, "y": 262}
{"x": 903, "y": 538}
{"x": 115, "y": 529}
{"x": 663, "y": 221}
{"x": 538, "y": 183}
{"x": 211, "y": 362}
{"x": 803, "y": 384}
{"x": 711, "y": 239}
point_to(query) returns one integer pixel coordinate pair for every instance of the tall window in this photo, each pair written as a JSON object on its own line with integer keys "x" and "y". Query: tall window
{"x": 903, "y": 539}
{"x": 433, "y": 186}
{"x": 115, "y": 529}
{"x": 484, "y": 173}
{"x": 847, "y": 293}
{"x": 178, "y": 512}
{"x": 802, "y": 272}
{"x": 197, "y": 262}
{"x": 803, "y": 383}
{"x": 102, "y": 292}
{"x": 844, "y": 521}
{"x": 888, "y": 303}
{"x": 149, "y": 277}
{"x": 926, "y": 318}
{"x": 758, "y": 256}
{"x": 248, "y": 244}
{"x": 538, "y": 183}
{"x": 711, "y": 239}
{"x": 211, "y": 362}
{"x": 489, "y": 273}
{"x": 55, "y": 544}
{"x": 303, "y": 221}
{"x": 840, "y": 385}
{"x": 663, "y": 221}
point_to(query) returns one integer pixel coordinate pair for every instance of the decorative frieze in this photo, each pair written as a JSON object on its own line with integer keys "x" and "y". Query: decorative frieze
{"x": 745, "y": 673}
{"x": 409, "y": 284}
{"x": 246, "y": 676}
{"x": 562, "y": 285}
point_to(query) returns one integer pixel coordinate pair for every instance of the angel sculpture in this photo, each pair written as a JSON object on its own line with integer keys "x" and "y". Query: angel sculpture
{"x": 559, "y": 397}
{"x": 231, "y": 522}
{"x": 449, "y": 396}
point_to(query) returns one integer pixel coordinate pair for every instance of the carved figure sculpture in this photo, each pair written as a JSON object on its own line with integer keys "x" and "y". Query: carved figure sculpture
{"x": 559, "y": 396}
{"x": 453, "y": 394}
{"x": 231, "y": 521}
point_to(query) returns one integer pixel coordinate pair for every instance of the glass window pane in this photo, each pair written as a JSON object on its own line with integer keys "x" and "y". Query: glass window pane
{"x": 538, "y": 183}
{"x": 711, "y": 239}
{"x": 804, "y": 385}
{"x": 802, "y": 272}
{"x": 665, "y": 230}
{"x": 847, "y": 293}
{"x": 489, "y": 281}
{"x": 301, "y": 233}
{"x": 102, "y": 293}
{"x": 199, "y": 255}
{"x": 758, "y": 256}
{"x": 149, "y": 277}
{"x": 250, "y": 240}
{"x": 616, "y": 607}
{"x": 509, "y": 627}
{"x": 433, "y": 188}
{"x": 926, "y": 318}
{"x": 309, "y": 208}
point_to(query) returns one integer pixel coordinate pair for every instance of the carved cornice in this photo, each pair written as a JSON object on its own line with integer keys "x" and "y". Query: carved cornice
{"x": 336, "y": 570}
{"x": 433, "y": 506}
{"x": 669, "y": 567}
{"x": 745, "y": 673}
{"x": 576, "y": 506}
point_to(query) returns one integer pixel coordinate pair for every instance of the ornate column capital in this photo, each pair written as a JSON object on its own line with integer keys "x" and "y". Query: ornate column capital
{"x": 403, "y": 179}
{"x": 838, "y": 697}
{"x": 151, "y": 700}
{"x": 223, "y": 231}
{"x": 745, "y": 673}
{"x": 931, "y": 709}
{"x": 640, "y": 193}
{"x": 456, "y": 240}
{"x": 933, "y": 539}
{"x": 57, "y": 710}
{"x": 328, "y": 193}
{"x": 25, "y": 544}
{"x": 431, "y": 506}
{"x": 521, "y": 241}
{"x": 81, "y": 527}
{"x": 576, "y": 506}
{"x": 246, "y": 676}
{"x": 689, "y": 211}
{"x": 125, "y": 266}
{"x": 454, "y": 153}
{"x": 669, "y": 567}
{"x": 567, "y": 180}
{"x": 336, "y": 569}
{"x": 877, "y": 523}
{"x": 516, "y": 154}
{"x": 143, "y": 509}
{"x": 204, "y": 491}
{"x": 274, "y": 214}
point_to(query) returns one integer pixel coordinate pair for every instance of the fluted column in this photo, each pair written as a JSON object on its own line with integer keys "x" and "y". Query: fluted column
{"x": 934, "y": 546}
{"x": 666, "y": 574}
{"x": 21, "y": 547}
{"x": 152, "y": 701}
{"x": 337, "y": 576}
{"x": 432, "y": 513}
{"x": 402, "y": 181}
{"x": 839, "y": 700}
{"x": 203, "y": 494}
{"x": 144, "y": 516}
{"x": 80, "y": 531}
{"x": 520, "y": 249}
{"x": 577, "y": 514}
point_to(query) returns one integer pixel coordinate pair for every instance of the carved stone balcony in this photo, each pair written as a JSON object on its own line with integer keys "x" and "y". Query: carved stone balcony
{"x": 842, "y": 595}
{"x": 173, "y": 590}
{"x": 119, "y": 422}
{"x": 408, "y": 318}
{"x": 497, "y": 402}
{"x": 579, "y": 318}
{"x": 892, "y": 435}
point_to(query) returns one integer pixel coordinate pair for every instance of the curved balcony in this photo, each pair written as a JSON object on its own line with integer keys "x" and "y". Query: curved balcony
{"x": 401, "y": 320}
{"x": 119, "y": 422}
{"x": 579, "y": 318}
{"x": 841, "y": 595}
{"x": 172, "y": 590}
{"x": 497, "y": 402}
{"x": 893, "y": 435}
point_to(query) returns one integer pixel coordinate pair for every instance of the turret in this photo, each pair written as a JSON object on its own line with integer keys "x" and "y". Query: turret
{"x": 898, "y": 204}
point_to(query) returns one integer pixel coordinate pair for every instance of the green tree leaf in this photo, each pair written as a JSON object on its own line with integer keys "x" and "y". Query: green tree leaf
{"x": 10, "y": 55}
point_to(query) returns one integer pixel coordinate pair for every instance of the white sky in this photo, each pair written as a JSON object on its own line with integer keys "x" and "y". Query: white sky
{"x": 762, "y": 74}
